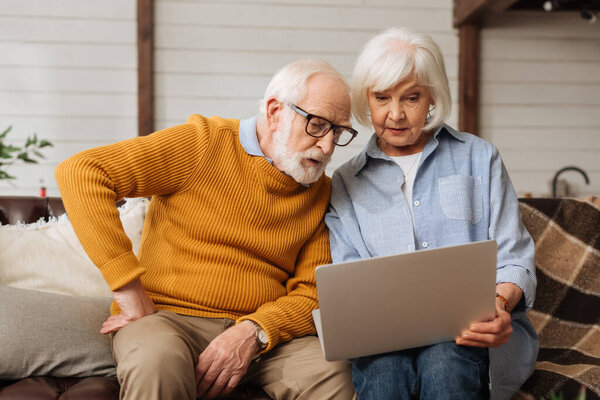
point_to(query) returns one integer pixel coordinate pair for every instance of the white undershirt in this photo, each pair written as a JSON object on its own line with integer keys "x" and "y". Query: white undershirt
{"x": 409, "y": 165}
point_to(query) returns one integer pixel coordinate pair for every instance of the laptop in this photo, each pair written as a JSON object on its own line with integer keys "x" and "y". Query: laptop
{"x": 383, "y": 304}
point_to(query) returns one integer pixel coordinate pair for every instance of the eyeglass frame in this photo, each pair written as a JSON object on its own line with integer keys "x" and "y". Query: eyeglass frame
{"x": 332, "y": 128}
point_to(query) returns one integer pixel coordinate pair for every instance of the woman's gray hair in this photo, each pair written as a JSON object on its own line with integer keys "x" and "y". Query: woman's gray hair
{"x": 393, "y": 56}
{"x": 288, "y": 85}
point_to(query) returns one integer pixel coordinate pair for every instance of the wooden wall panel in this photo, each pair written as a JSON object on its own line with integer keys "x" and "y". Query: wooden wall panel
{"x": 540, "y": 96}
{"x": 215, "y": 58}
{"x": 68, "y": 72}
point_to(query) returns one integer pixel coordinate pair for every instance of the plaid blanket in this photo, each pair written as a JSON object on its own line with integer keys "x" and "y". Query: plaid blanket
{"x": 566, "y": 313}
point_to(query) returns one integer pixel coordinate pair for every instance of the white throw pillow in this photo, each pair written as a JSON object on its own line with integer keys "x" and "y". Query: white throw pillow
{"x": 47, "y": 256}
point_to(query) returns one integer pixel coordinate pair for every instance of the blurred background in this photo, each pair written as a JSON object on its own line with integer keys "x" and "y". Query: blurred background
{"x": 69, "y": 72}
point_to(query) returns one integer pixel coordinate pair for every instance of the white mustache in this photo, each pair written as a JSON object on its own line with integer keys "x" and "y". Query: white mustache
{"x": 316, "y": 154}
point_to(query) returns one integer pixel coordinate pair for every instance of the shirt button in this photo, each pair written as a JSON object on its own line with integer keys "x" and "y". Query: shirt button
{"x": 425, "y": 244}
{"x": 416, "y": 203}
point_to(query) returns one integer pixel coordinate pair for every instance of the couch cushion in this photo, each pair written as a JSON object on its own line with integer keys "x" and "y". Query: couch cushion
{"x": 566, "y": 314}
{"x": 43, "y": 388}
{"x": 48, "y": 256}
{"x": 51, "y": 334}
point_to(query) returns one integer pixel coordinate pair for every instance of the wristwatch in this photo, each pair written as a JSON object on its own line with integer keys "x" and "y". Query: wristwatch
{"x": 261, "y": 336}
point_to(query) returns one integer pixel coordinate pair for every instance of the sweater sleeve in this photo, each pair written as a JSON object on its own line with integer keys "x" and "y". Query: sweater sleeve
{"x": 92, "y": 181}
{"x": 290, "y": 316}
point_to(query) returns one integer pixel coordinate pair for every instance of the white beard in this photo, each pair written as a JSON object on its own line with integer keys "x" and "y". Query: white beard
{"x": 290, "y": 161}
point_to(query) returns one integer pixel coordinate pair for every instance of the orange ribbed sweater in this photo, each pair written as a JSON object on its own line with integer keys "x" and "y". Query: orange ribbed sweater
{"x": 226, "y": 233}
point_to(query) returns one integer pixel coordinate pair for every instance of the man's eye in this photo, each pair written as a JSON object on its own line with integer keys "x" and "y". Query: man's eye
{"x": 317, "y": 124}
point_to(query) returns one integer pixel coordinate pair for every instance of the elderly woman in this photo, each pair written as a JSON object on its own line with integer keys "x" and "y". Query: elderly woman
{"x": 419, "y": 184}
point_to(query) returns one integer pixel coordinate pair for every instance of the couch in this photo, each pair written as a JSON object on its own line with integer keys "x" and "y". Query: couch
{"x": 566, "y": 314}
{"x": 60, "y": 299}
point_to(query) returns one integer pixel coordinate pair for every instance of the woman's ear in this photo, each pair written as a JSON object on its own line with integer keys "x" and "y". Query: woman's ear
{"x": 273, "y": 110}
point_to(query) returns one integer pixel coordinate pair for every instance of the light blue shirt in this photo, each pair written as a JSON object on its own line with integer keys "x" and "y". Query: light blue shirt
{"x": 249, "y": 138}
{"x": 462, "y": 193}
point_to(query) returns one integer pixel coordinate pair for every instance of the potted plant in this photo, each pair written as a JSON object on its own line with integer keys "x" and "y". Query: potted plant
{"x": 28, "y": 153}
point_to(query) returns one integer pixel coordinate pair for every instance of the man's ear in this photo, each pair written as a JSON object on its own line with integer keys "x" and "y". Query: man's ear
{"x": 273, "y": 111}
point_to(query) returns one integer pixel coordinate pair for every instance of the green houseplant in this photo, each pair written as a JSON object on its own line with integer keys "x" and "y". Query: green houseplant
{"x": 9, "y": 154}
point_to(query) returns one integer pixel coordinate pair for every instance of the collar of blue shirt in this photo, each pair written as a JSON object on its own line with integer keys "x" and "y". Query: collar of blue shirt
{"x": 249, "y": 140}
{"x": 372, "y": 150}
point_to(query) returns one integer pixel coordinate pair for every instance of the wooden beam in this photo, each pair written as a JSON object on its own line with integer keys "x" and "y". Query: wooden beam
{"x": 468, "y": 78}
{"x": 499, "y": 6}
{"x": 473, "y": 11}
{"x": 468, "y": 11}
{"x": 145, "y": 48}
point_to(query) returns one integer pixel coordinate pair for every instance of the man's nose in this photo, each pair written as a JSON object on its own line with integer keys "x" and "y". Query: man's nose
{"x": 325, "y": 143}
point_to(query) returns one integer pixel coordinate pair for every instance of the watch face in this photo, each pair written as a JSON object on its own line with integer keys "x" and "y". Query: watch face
{"x": 262, "y": 336}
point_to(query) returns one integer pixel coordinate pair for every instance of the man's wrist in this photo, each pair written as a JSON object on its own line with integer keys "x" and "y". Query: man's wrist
{"x": 260, "y": 335}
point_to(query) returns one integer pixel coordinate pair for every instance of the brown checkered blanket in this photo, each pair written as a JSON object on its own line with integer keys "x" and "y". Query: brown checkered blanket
{"x": 566, "y": 313}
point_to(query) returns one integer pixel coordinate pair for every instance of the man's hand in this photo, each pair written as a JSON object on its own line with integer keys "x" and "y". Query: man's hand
{"x": 134, "y": 304}
{"x": 224, "y": 362}
{"x": 493, "y": 333}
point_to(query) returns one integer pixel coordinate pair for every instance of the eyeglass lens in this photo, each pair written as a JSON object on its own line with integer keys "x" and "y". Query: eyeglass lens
{"x": 320, "y": 127}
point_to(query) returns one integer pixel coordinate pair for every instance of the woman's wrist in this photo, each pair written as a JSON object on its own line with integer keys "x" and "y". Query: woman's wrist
{"x": 505, "y": 305}
{"x": 510, "y": 295}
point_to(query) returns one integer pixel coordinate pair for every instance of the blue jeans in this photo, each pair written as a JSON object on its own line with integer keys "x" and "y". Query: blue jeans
{"x": 513, "y": 362}
{"x": 440, "y": 371}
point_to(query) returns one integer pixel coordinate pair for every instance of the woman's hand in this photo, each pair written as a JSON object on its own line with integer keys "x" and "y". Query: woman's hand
{"x": 488, "y": 334}
{"x": 496, "y": 332}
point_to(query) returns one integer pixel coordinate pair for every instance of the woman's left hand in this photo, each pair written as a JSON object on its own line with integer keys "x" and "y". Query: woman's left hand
{"x": 490, "y": 333}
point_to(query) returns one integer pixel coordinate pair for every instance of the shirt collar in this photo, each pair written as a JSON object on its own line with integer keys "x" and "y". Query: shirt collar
{"x": 249, "y": 139}
{"x": 372, "y": 150}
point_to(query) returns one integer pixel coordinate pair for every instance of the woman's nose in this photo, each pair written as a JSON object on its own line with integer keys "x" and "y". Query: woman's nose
{"x": 396, "y": 112}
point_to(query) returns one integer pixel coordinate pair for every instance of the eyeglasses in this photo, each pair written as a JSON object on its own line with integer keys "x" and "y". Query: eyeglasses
{"x": 318, "y": 127}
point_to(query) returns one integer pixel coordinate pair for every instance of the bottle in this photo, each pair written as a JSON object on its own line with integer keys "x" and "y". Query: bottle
{"x": 42, "y": 188}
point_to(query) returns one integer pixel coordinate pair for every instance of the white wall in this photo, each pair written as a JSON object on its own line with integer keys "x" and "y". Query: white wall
{"x": 540, "y": 97}
{"x": 68, "y": 71}
{"x": 217, "y": 57}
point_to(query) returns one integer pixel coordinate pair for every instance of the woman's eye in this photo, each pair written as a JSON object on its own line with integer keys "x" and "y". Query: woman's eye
{"x": 380, "y": 97}
{"x": 413, "y": 98}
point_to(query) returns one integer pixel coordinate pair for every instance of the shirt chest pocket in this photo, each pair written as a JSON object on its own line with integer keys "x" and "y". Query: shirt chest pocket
{"x": 461, "y": 197}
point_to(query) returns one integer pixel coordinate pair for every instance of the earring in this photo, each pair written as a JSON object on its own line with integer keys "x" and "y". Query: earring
{"x": 429, "y": 113}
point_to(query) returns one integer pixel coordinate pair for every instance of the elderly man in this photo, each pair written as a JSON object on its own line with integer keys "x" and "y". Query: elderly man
{"x": 223, "y": 285}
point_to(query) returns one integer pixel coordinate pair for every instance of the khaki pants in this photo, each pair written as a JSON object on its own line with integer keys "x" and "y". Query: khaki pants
{"x": 156, "y": 357}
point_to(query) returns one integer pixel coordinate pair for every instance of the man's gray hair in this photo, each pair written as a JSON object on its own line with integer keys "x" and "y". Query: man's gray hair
{"x": 393, "y": 56}
{"x": 288, "y": 85}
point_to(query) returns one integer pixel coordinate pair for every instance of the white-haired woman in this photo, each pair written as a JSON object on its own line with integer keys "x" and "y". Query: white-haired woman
{"x": 419, "y": 184}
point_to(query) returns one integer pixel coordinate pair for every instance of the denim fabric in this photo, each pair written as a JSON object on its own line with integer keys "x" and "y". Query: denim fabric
{"x": 462, "y": 193}
{"x": 437, "y": 372}
{"x": 514, "y": 361}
